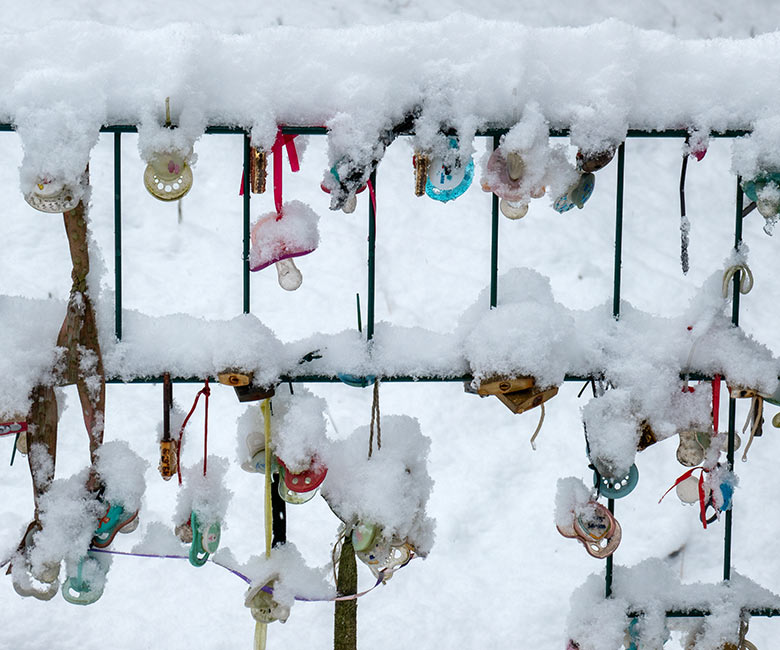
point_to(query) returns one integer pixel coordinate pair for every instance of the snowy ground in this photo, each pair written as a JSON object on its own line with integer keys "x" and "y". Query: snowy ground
{"x": 499, "y": 573}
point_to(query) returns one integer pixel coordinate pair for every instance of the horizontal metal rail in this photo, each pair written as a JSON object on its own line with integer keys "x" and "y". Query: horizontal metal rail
{"x": 490, "y": 131}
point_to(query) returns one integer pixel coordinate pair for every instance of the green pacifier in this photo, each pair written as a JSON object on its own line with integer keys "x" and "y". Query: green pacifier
{"x": 363, "y": 537}
{"x": 203, "y": 544}
{"x": 615, "y": 488}
{"x": 78, "y": 590}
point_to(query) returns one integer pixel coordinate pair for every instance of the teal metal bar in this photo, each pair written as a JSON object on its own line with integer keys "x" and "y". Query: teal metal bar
{"x": 727, "y": 532}
{"x": 118, "y": 235}
{"x": 324, "y": 379}
{"x": 246, "y": 218}
{"x": 693, "y": 613}
{"x": 621, "y": 166}
{"x": 494, "y": 242}
{"x": 371, "y": 259}
{"x": 490, "y": 131}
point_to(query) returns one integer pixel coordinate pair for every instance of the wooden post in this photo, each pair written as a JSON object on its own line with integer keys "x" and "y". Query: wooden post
{"x": 345, "y": 623}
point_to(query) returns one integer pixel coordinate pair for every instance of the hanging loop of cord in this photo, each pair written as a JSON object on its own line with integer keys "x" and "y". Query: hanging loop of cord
{"x": 745, "y": 281}
{"x": 755, "y": 420}
{"x": 205, "y": 391}
{"x": 375, "y": 420}
{"x": 538, "y": 428}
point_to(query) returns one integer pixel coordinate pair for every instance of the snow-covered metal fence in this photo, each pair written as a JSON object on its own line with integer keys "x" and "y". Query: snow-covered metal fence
{"x": 494, "y": 134}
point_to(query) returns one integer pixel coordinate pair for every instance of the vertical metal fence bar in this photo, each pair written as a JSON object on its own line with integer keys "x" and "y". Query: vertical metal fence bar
{"x": 118, "y": 235}
{"x": 494, "y": 242}
{"x": 621, "y": 164}
{"x": 246, "y": 197}
{"x": 371, "y": 259}
{"x": 732, "y": 402}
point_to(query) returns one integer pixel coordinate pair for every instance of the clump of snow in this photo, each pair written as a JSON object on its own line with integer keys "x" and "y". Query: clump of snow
{"x": 572, "y": 498}
{"x": 356, "y": 144}
{"x": 293, "y": 578}
{"x": 757, "y": 153}
{"x": 69, "y": 515}
{"x": 58, "y": 134}
{"x": 545, "y": 165}
{"x": 154, "y": 137}
{"x": 389, "y": 489}
{"x": 653, "y": 587}
{"x": 529, "y": 333}
{"x": 299, "y": 436}
{"x": 188, "y": 346}
{"x": 207, "y": 496}
{"x": 643, "y": 356}
{"x": 277, "y": 237}
{"x": 121, "y": 471}
{"x": 297, "y": 429}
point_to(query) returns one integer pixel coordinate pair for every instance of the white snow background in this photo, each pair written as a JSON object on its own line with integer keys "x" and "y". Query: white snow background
{"x": 499, "y": 574}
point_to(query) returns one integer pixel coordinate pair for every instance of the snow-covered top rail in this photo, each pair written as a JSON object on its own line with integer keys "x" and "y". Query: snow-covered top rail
{"x": 62, "y": 83}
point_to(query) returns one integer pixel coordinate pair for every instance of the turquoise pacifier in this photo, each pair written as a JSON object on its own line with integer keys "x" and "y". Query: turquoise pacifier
{"x": 615, "y": 488}
{"x": 448, "y": 182}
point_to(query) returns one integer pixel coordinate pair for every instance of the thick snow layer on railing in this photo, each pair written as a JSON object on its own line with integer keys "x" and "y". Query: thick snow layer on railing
{"x": 529, "y": 333}
{"x": 62, "y": 82}
{"x": 651, "y": 588}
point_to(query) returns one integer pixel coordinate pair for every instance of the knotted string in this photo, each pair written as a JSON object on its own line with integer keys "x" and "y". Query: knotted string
{"x": 206, "y": 391}
{"x": 375, "y": 418}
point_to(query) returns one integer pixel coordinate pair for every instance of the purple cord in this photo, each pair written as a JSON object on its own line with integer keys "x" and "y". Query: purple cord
{"x": 266, "y": 588}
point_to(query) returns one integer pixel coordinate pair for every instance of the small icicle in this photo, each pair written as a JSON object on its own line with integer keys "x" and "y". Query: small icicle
{"x": 685, "y": 224}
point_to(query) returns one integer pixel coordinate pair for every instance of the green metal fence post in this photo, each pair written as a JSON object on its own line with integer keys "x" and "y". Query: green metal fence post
{"x": 246, "y": 214}
{"x": 371, "y": 258}
{"x": 494, "y": 242}
{"x": 732, "y": 402}
{"x": 118, "y": 235}
{"x": 621, "y": 164}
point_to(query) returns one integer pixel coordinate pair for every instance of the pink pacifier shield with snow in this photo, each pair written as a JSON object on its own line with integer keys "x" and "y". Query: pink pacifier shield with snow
{"x": 278, "y": 238}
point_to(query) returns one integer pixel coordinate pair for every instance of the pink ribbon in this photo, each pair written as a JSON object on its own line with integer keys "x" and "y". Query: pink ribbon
{"x": 282, "y": 140}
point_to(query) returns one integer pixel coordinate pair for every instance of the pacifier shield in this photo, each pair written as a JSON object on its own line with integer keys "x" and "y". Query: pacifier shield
{"x": 616, "y": 488}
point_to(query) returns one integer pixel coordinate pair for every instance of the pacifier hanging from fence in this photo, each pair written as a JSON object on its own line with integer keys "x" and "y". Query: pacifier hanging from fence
{"x": 595, "y": 527}
{"x": 168, "y": 176}
{"x": 503, "y": 177}
{"x": 580, "y": 191}
{"x": 52, "y": 195}
{"x": 449, "y": 175}
{"x": 289, "y": 232}
{"x": 350, "y": 203}
{"x": 302, "y": 486}
{"x": 764, "y": 191}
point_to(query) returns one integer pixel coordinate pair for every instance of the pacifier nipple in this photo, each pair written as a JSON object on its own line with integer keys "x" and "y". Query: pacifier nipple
{"x": 513, "y": 209}
{"x": 350, "y": 204}
{"x": 290, "y": 278}
{"x": 514, "y": 165}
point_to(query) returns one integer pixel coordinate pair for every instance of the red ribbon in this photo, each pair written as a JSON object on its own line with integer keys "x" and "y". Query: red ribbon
{"x": 702, "y": 502}
{"x": 372, "y": 193}
{"x": 715, "y": 402}
{"x": 282, "y": 140}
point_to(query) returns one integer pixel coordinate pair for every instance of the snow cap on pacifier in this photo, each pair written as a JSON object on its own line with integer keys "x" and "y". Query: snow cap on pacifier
{"x": 278, "y": 238}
